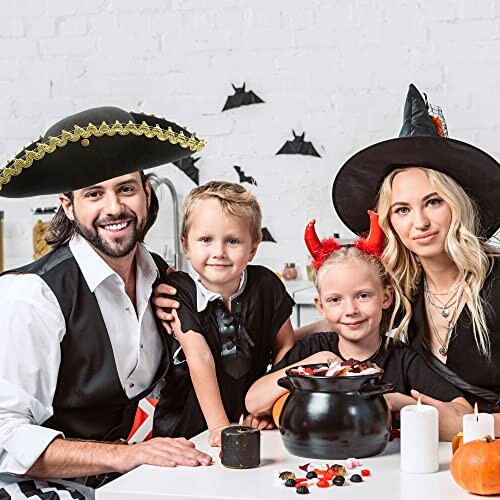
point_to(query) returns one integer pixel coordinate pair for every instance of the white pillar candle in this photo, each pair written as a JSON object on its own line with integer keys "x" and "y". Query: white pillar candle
{"x": 419, "y": 439}
{"x": 477, "y": 425}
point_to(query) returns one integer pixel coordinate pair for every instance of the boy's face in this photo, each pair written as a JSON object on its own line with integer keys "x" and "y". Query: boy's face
{"x": 219, "y": 247}
{"x": 352, "y": 300}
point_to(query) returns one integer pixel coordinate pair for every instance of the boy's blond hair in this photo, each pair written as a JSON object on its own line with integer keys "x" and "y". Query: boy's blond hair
{"x": 234, "y": 199}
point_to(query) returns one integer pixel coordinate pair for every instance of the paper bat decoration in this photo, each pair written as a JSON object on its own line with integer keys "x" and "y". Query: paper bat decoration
{"x": 243, "y": 177}
{"x": 298, "y": 147}
{"x": 187, "y": 166}
{"x": 241, "y": 97}
{"x": 266, "y": 235}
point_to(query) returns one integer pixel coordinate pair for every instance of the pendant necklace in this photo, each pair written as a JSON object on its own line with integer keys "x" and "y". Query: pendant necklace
{"x": 442, "y": 307}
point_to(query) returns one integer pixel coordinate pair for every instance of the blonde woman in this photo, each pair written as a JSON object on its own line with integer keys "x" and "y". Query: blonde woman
{"x": 437, "y": 200}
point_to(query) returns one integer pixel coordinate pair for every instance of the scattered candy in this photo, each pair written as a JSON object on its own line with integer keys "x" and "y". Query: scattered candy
{"x": 338, "y": 470}
{"x": 286, "y": 474}
{"x": 323, "y": 483}
{"x": 395, "y": 434}
{"x": 365, "y": 473}
{"x": 304, "y": 467}
{"x": 356, "y": 478}
{"x": 352, "y": 463}
{"x": 311, "y": 475}
{"x": 338, "y": 480}
{"x": 290, "y": 483}
{"x": 302, "y": 490}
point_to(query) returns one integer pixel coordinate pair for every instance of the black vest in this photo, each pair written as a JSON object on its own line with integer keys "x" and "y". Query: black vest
{"x": 89, "y": 401}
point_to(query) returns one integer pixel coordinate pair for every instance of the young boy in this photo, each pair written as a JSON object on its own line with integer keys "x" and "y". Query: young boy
{"x": 234, "y": 319}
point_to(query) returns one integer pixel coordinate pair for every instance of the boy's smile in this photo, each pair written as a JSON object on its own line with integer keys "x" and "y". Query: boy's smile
{"x": 219, "y": 247}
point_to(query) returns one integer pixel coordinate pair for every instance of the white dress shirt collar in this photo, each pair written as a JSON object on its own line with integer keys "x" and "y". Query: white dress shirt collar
{"x": 204, "y": 295}
{"x": 95, "y": 269}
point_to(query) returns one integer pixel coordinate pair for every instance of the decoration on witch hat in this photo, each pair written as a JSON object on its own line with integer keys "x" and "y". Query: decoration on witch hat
{"x": 320, "y": 250}
{"x": 241, "y": 97}
{"x": 267, "y": 236}
{"x": 243, "y": 177}
{"x": 298, "y": 147}
{"x": 187, "y": 166}
{"x": 142, "y": 428}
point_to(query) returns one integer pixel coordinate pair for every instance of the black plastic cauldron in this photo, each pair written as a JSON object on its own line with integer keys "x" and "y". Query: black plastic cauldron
{"x": 334, "y": 417}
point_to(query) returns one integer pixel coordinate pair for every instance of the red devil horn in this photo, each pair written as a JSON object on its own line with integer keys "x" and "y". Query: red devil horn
{"x": 313, "y": 244}
{"x": 374, "y": 243}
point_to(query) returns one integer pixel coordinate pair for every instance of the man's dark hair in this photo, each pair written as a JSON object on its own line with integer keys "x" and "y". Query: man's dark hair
{"x": 61, "y": 229}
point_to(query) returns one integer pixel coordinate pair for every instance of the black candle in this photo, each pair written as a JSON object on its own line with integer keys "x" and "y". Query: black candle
{"x": 240, "y": 447}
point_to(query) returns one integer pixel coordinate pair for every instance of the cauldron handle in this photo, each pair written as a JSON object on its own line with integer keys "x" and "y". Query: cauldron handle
{"x": 375, "y": 389}
{"x": 285, "y": 383}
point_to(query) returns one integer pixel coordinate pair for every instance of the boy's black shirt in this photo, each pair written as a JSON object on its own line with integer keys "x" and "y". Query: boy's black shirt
{"x": 403, "y": 367}
{"x": 261, "y": 308}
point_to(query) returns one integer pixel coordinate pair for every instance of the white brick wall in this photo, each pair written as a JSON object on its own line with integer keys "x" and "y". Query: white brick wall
{"x": 338, "y": 70}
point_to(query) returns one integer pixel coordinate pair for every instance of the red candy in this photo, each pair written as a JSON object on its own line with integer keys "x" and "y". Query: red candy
{"x": 323, "y": 483}
{"x": 299, "y": 480}
{"x": 366, "y": 473}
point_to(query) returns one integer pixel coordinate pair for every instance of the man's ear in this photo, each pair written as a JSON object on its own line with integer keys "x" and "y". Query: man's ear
{"x": 388, "y": 297}
{"x": 253, "y": 250}
{"x": 319, "y": 306}
{"x": 147, "y": 189}
{"x": 67, "y": 205}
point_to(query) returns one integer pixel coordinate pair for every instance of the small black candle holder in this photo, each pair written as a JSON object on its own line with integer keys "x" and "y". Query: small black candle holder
{"x": 240, "y": 447}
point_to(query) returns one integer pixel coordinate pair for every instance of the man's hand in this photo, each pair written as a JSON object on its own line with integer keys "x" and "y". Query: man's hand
{"x": 396, "y": 401}
{"x": 450, "y": 414}
{"x": 162, "y": 302}
{"x": 261, "y": 422}
{"x": 165, "y": 452}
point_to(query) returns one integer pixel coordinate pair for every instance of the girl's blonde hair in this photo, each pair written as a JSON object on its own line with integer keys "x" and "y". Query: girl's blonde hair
{"x": 470, "y": 254}
{"x": 400, "y": 307}
{"x": 234, "y": 199}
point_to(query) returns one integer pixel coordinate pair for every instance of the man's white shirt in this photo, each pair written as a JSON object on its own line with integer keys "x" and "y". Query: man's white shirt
{"x": 32, "y": 329}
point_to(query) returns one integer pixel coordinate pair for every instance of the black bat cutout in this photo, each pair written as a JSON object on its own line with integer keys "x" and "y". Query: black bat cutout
{"x": 187, "y": 166}
{"x": 298, "y": 147}
{"x": 267, "y": 236}
{"x": 241, "y": 97}
{"x": 243, "y": 177}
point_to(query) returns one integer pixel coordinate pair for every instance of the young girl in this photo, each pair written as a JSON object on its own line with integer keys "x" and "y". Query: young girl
{"x": 360, "y": 300}
{"x": 234, "y": 319}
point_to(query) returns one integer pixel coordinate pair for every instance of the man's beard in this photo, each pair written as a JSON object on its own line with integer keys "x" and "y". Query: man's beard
{"x": 120, "y": 246}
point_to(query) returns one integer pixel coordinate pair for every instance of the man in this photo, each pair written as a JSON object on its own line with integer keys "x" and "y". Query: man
{"x": 80, "y": 342}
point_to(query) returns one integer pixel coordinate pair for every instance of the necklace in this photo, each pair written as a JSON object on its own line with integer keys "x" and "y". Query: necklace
{"x": 443, "y": 349}
{"x": 442, "y": 307}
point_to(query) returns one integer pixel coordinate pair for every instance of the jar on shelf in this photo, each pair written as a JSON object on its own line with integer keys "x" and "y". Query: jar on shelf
{"x": 41, "y": 221}
{"x": 289, "y": 271}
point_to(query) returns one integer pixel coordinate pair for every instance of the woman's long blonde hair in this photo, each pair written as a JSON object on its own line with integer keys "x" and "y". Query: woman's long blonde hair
{"x": 400, "y": 308}
{"x": 471, "y": 255}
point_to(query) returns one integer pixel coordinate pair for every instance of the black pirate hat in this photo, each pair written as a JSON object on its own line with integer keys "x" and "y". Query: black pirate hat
{"x": 93, "y": 146}
{"x": 422, "y": 142}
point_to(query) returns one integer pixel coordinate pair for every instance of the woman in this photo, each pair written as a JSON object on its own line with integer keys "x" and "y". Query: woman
{"x": 437, "y": 200}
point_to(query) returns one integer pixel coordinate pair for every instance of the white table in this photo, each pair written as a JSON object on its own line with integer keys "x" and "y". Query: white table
{"x": 217, "y": 482}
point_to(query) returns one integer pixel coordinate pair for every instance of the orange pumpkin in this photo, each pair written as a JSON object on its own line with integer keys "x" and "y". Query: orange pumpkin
{"x": 277, "y": 407}
{"x": 475, "y": 466}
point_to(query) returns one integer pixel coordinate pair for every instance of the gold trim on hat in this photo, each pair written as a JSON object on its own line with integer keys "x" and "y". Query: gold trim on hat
{"x": 78, "y": 133}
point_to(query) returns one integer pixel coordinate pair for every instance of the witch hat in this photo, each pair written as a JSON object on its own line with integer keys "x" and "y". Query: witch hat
{"x": 422, "y": 142}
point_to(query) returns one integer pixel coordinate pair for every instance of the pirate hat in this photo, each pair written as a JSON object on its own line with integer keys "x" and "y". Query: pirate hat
{"x": 422, "y": 142}
{"x": 93, "y": 146}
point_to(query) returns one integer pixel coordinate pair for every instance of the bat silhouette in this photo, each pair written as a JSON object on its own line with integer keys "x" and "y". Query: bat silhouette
{"x": 267, "y": 236}
{"x": 298, "y": 147}
{"x": 243, "y": 177}
{"x": 187, "y": 166}
{"x": 241, "y": 97}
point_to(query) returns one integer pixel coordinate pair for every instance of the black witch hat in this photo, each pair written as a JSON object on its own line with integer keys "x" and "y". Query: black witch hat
{"x": 93, "y": 146}
{"x": 422, "y": 142}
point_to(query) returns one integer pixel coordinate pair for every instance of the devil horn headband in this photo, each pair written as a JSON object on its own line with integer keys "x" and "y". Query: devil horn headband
{"x": 320, "y": 250}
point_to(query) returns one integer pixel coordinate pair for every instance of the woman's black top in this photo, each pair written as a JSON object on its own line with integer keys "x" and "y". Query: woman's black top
{"x": 464, "y": 357}
{"x": 241, "y": 343}
{"x": 403, "y": 367}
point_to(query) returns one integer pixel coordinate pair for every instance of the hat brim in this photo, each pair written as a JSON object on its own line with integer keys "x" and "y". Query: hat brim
{"x": 356, "y": 186}
{"x": 87, "y": 155}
